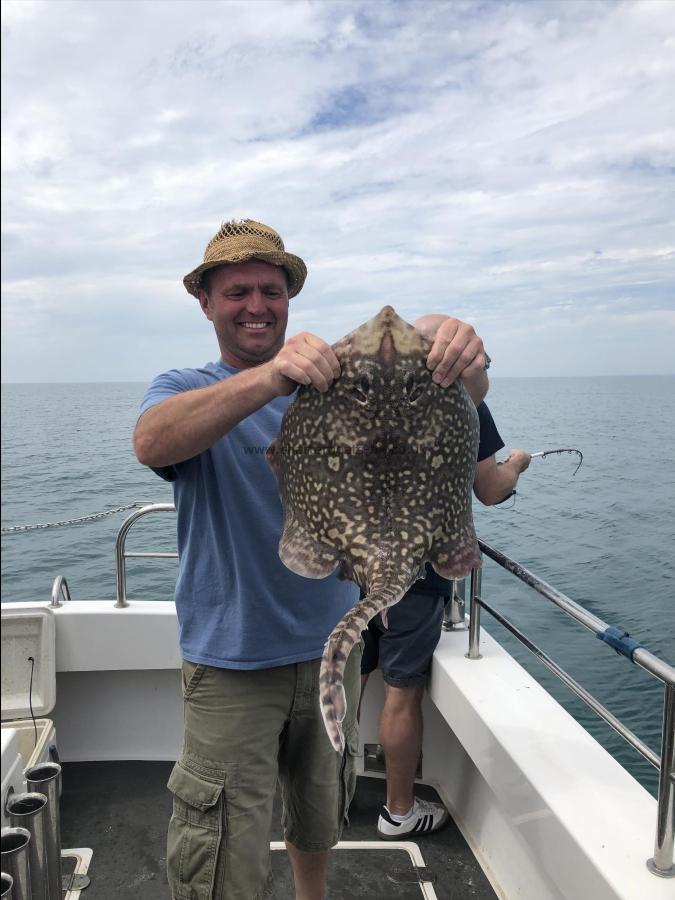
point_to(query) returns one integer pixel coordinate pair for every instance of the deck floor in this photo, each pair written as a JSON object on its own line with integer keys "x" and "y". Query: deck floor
{"x": 121, "y": 810}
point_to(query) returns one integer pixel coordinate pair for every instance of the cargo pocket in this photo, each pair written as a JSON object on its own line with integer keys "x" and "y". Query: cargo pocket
{"x": 194, "y": 835}
{"x": 348, "y": 775}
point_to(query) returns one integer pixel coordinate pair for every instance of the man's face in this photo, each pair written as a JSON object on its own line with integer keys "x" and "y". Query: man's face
{"x": 248, "y": 305}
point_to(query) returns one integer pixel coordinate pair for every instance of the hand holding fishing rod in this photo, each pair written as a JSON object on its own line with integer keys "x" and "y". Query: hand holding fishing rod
{"x": 519, "y": 459}
{"x": 516, "y": 463}
{"x": 494, "y": 482}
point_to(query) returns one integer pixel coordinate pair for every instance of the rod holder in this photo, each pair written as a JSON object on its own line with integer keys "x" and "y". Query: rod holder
{"x": 15, "y": 863}
{"x": 6, "y": 883}
{"x": 28, "y": 811}
{"x": 454, "y": 612}
{"x": 46, "y": 779}
{"x": 474, "y": 614}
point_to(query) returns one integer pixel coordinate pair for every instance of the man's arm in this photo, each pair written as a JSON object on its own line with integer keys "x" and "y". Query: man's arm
{"x": 457, "y": 352}
{"x": 182, "y": 426}
{"x": 494, "y": 482}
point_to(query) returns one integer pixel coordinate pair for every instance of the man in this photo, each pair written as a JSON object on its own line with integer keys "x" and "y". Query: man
{"x": 251, "y": 631}
{"x": 404, "y": 649}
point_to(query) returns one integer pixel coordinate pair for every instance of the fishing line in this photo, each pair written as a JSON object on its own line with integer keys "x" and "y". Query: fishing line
{"x": 508, "y": 497}
{"x": 30, "y": 697}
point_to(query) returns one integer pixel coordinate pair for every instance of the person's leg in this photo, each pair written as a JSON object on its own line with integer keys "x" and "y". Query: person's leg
{"x": 401, "y": 740}
{"x": 309, "y": 872}
{"x": 369, "y": 658}
{"x": 317, "y": 783}
{"x": 406, "y": 649}
{"x": 224, "y": 783}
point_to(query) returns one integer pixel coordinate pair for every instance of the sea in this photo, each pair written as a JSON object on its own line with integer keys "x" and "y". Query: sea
{"x": 603, "y": 535}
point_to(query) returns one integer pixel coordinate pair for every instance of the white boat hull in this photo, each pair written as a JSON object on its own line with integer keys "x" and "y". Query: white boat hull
{"x": 547, "y": 811}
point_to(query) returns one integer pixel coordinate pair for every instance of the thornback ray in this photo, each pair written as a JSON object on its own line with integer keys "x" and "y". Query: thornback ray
{"x": 375, "y": 476}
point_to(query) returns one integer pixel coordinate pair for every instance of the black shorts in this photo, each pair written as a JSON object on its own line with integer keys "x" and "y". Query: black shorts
{"x": 404, "y": 650}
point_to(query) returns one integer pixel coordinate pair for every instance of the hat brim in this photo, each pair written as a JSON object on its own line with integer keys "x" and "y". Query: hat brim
{"x": 295, "y": 268}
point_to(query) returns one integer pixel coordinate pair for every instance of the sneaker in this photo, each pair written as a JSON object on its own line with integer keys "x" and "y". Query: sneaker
{"x": 423, "y": 818}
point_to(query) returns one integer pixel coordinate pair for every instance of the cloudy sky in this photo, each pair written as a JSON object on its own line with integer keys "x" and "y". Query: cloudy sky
{"x": 508, "y": 163}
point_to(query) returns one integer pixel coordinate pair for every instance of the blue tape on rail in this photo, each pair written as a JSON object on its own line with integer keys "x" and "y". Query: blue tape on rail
{"x": 620, "y": 640}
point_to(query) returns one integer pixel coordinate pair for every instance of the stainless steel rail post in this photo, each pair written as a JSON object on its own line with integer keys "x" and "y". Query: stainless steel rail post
{"x": 474, "y": 614}
{"x": 15, "y": 843}
{"x": 28, "y": 811}
{"x": 662, "y": 861}
{"x": 121, "y": 556}
{"x": 59, "y": 587}
{"x": 46, "y": 778}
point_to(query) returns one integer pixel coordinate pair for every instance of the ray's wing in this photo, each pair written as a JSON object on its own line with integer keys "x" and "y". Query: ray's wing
{"x": 299, "y": 549}
{"x": 456, "y": 554}
{"x": 454, "y": 551}
{"x": 303, "y": 554}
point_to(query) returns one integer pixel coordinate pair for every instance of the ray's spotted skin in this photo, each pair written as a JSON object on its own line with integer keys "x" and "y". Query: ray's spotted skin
{"x": 375, "y": 476}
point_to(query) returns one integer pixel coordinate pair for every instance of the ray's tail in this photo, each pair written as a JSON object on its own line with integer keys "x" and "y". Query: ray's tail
{"x": 336, "y": 652}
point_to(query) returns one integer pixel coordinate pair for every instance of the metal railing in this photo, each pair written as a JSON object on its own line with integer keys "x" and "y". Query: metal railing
{"x": 59, "y": 589}
{"x": 121, "y": 555}
{"x": 662, "y": 862}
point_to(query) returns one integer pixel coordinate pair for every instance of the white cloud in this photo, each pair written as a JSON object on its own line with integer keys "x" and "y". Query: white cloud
{"x": 511, "y": 163}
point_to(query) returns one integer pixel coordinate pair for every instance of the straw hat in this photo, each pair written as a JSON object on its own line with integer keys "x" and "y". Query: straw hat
{"x": 237, "y": 242}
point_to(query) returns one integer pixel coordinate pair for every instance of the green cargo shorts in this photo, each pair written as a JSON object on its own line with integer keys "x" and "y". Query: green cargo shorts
{"x": 244, "y": 729}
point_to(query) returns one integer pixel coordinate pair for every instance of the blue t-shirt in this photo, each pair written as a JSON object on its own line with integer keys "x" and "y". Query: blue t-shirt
{"x": 238, "y": 605}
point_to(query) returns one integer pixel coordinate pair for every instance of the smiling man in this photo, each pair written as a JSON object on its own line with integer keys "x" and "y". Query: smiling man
{"x": 248, "y": 306}
{"x": 251, "y": 631}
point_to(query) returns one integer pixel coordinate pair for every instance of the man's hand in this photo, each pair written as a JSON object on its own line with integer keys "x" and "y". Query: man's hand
{"x": 304, "y": 359}
{"x": 519, "y": 459}
{"x": 457, "y": 350}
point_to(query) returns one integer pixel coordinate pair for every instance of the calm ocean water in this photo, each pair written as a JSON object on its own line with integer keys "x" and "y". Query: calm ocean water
{"x": 605, "y": 536}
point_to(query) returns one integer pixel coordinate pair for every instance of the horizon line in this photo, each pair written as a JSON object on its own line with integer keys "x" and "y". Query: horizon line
{"x": 493, "y": 378}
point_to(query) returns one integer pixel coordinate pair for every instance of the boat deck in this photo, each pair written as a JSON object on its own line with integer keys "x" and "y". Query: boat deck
{"x": 121, "y": 810}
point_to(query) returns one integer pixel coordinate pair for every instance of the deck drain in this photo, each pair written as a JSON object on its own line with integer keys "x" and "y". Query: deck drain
{"x": 413, "y": 875}
{"x": 75, "y": 882}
